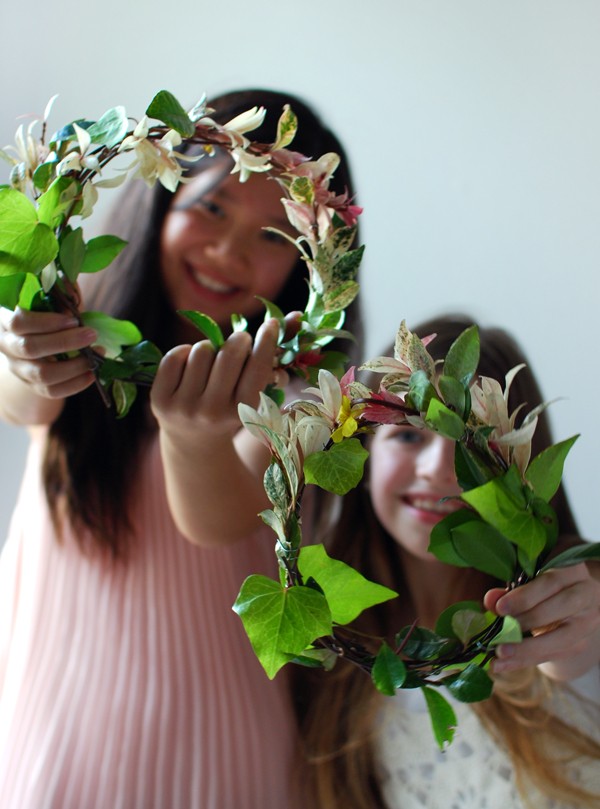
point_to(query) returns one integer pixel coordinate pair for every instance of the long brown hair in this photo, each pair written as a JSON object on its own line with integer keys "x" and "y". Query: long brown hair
{"x": 91, "y": 456}
{"x": 337, "y": 711}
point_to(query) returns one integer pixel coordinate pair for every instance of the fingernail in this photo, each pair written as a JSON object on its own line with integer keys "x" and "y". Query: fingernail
{"x": 505, "y": 650}
{"x": 89, "y": 335}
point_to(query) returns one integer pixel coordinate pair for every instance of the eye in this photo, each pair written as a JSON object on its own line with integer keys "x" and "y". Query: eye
{"x": 210, "y": 207}
{"x": 409, "y": 436}
{"x": 274, "y": 238}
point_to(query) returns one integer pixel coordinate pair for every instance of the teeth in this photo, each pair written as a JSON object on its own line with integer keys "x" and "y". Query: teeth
{"x": 433, "y": 505}
{"x": 210, "y": 283}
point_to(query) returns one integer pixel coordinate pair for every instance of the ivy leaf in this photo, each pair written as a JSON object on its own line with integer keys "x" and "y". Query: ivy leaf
{"x": 113, "y": 334}
{"x": 338, "y": 469}
{"x": 573, "y": 556}
{"x": 462, "y": 358}
{"x": 10, "y": 288}
{"x": 472, "y": 684}
{"x": 347, "y": 591}
{"x": 388, "y": 672}
{"x": 110, "y": 128}
{"x": 441, "y": 713}
{"x": 100, "y": 252}
{"x": 26, "y": 244}
{"x": 440, "y": 539}
{"x": 545, "y": 471}
{"x": 281, "y": 623}
{"x": 56, "y": 201}
{"x": 510, "y": 632}
{"x": 165, "y": 107}
{"x": 209, "y": 327}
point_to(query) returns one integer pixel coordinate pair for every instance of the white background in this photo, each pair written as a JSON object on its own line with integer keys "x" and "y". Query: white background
{"x": 473, "y": 127}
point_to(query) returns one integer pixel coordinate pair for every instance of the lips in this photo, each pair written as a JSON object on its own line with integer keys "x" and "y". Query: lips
{"x": 212, "y": 284}
{"x": 432, "y": 504}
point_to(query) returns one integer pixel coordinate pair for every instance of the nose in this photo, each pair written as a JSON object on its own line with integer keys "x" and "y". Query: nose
{"x": 436, "y": 461}
{"x": 227, "y": 249}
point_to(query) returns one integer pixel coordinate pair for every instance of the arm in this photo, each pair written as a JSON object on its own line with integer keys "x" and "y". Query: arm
{"x": 33, "y": 383}
{"x": 561, "y": 610}
{"x": 213, "y": 470}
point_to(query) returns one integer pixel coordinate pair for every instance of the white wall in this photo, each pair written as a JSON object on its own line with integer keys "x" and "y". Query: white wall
{"x": 474, "y": 129}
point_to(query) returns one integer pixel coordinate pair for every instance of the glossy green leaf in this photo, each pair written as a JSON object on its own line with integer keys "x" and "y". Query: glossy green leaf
{"x": 56, "y": 202}
{"x": 485, "y": 549}
{"x": 468, "y": 623}
{"x": 441, "y": 713}
{"x": 71, "y": 253}
{"x": 338, "y": 469}
{"x": 347, "y": 591}
{"x": 113, "y": 334}
{"x": 471, "y": 471}
{"x": 573, "y": 556}
{"x": 463, "y": 356}
{"x": 444, "y": 626}
{"x": 471, "y": 685}
{"x": 388, "y": 672}
{"x": 205, "y": 324}
{"x": 510, "y": 632}
{"x": 444, "y": 421}
{"x": 165, "y": 107}
{"x": 281, "y": 623}
{"x": 440, "y": 539}
{"x": 26, "y": 244}
{"x": 110, "y": 128}
{"x": 545, "y": 470}
{"x": 453, "y": 393}
{"x": 420, "y": 643}
{"x": 421, "y": 391}
{"x": 100, "y": 252}
{"x": 10, "y": 289}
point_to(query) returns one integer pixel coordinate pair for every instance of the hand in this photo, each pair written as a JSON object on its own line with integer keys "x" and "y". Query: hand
{"x": 561, "y": 610}
{"x": 196, "y": 390}
{"x": 30, "y": 342}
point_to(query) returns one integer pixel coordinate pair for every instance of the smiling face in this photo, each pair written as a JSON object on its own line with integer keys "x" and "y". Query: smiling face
{"x": 410, "y": 471}
{"x": 215, "y": 256}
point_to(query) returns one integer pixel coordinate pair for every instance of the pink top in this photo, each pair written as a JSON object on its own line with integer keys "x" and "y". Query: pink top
{"x": 133, "y": 686}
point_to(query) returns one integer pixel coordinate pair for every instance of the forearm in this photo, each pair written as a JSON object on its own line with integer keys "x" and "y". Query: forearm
{"x": 214, "y": 489}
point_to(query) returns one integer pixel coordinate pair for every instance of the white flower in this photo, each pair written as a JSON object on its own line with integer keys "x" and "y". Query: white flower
{"x": 246, "y": 164}
{"x": 246, "y": 121}
{"x": 156, "y": 159}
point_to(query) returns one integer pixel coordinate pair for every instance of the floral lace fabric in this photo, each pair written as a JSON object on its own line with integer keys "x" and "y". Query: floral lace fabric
{"x": 473, "y": 772}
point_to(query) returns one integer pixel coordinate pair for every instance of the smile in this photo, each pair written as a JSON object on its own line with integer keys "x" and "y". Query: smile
{"x": 212, "y": 285}
{"x": 434, "y": 505}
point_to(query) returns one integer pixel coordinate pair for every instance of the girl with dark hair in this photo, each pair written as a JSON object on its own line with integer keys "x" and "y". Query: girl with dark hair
{"x": 125, "y": 678}
{"x": 535, "y": 742}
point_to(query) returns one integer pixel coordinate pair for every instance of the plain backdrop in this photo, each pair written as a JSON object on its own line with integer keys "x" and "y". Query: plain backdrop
{"x": 473, "y": 127}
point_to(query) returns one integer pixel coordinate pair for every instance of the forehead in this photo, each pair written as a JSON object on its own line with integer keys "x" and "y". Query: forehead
{"x": 217, "y": 181}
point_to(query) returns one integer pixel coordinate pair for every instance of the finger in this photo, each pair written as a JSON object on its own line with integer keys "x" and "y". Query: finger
{"x": 35, "y": 346}
{"x": 520, "y": 600}
{"x": 259, "y": 369}
{"x": 227, "y": 370}
{"x": 21, "y": 321}
{"x": 168, "y": 376}
{"x": 52, "y": 378}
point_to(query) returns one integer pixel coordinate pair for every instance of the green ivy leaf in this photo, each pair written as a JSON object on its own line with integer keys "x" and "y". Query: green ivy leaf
{"x": 281, "y": 623}
{"x": 338, "y": 469}
{"x": 26, "y": 244}
{"x": 545, "y": 470}
{"x": 165, "y": 107}
{"x": 440, "y": 539}
{"x": 113, "y": 334}
{"x": 471, "y": 685}
{"x": 441, "y": 713}
{"x": 463, "y": 356}
{"x": 10, "y": 289}
{"x": 573, "y": 556}
{"x": 388, "y": 672}
{"x": 54, "y": 203}
{"x": 209, "y": 327}
{"x": 348, "y": 593}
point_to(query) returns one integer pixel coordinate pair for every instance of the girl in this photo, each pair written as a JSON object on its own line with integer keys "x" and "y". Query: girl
{"x": 125, "y": 678}
{"x": 528, "y": 745}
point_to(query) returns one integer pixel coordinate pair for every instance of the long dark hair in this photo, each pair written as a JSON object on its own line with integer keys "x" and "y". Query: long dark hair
{"x": 337, "y": 711}
{"x": 91, "y": 457}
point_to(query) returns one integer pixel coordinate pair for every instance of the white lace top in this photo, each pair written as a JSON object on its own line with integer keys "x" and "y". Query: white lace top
{"x": 472, "y": 772}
